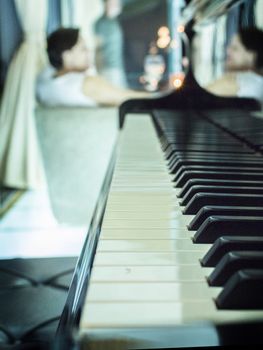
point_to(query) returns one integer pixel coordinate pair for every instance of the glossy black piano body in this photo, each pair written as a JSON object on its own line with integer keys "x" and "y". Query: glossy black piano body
{"x": 190, "y": 97}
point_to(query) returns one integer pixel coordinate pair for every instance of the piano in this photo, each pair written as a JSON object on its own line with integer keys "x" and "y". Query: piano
{"x": 174, "y": 254}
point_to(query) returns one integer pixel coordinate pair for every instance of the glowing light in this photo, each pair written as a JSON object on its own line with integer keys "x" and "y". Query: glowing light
{"x": 163, "y": 31}
{"x": 163, "y": 42}
{"x": 180, "y": 28}
{"x": 177, "y": 83}
{"x": 177, "y": 80}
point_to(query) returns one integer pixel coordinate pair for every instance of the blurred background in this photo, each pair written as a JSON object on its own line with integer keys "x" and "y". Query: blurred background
{"x": 124, "y": 35}
{"x": 132, "y": 26}
{"x": 140, "y": 44}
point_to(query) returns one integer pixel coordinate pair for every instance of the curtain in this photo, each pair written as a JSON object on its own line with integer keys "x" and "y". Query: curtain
{"x": 85, "y": 14}
{"x": 258, "y": 10}
{"x": 232, "y": 25}
{"x": 9, "y": 23}
{"x": 202, "y": 55}
{"x": 247, "y": 16}
{"x": 20, "y": 161}
{"x": 67, "y": 10}
{"x": 54, "y": 15}
{"x": 219, "y": 48}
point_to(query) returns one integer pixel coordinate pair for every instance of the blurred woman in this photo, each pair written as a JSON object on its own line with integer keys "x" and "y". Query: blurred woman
{"x": 70, "y": 80}
{"x": 244, "y": 67}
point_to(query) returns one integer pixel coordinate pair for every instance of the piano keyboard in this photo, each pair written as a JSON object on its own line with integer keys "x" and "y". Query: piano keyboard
{"x": 177, "y": 248}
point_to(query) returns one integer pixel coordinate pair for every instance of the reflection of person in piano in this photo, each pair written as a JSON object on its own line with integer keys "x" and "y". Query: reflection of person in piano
{"x": 68, "y": 80}
{"x": 244, "y": 67}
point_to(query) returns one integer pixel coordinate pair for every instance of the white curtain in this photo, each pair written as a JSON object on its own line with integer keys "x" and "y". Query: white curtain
{"x": 208, "y": 54}
{"x": 203, "y": 53}
{"x": 20, "y": 161}
{"x": 219, "y": 47}
{"x": 259, "y": 14}
{"x": 85, "y": 14}
{"x": 66, "y": 7}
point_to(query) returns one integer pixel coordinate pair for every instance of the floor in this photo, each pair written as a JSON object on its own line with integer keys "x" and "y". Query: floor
{"x": 55, "y": 222}
{"x": 29, "y": 229}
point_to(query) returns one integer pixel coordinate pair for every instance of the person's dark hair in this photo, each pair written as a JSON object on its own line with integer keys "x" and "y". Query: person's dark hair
{"x": 252, "y": 39}
{"x": 59, "y": 41}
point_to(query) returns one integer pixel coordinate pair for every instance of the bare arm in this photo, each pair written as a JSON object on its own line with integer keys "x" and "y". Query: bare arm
{"x": 104, "y": 93}
{"x": 225, "y": 86}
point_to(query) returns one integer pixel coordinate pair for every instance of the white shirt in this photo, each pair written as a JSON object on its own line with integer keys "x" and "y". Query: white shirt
{"x": 250, "y": 84}
{"x": 65, "y": 90}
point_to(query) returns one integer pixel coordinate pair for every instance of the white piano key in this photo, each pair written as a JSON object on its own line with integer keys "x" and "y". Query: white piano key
{"x": 148, "y": 258}
{"x": 149, "y": 292}
{"x": 128, "y": 273}
{"x": 151, "y": 314}
{"x": 144, "y": 233}
{"x": 141, "y": 224}
{"x": 156, "y": 245}
{"x": 153, "y": 214}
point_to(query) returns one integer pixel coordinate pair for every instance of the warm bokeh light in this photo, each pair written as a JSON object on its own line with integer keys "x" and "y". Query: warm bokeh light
{"x": 180, "y": 28}
{"x": 164, "y": 38}
{"x": 163, "y": 42}
{"x": 177, "y": 83}
{"x": 163, "y": 31}
{"x": 177, "y": 80}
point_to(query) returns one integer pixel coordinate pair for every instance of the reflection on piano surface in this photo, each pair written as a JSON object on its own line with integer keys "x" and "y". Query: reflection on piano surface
{"x": 174, "y": 257}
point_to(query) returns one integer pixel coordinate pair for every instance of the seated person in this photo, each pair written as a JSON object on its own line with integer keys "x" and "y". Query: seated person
{"x": 244, "y": 65}
{"x": 68, "y": 81}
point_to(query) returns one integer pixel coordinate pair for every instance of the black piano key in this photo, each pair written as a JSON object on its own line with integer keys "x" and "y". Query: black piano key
{"x": 243, "y": 291}
{"x": 207, "y": 211}
{"x": 218, "y": 168}
{"x": 217, "y": 156}
{"x": 215, "y": 138}
{"x": 213, "y": 156}
{"x": 205, "y": 148}
{"x": 233, "y": 262}
{"x": 227, "y": 244}
{"x": 209, "y": 162}
{"x": 216, "y": 189}
{"x": 191, "y": 174}
{"x": 201, "y": 200}
{"x": 217, "y": 226}
{"x": 217, "y": 182}
{"x": 186, "y": 147}
{"x": 225, "y": 145}
{"x": 199, "y": 141}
